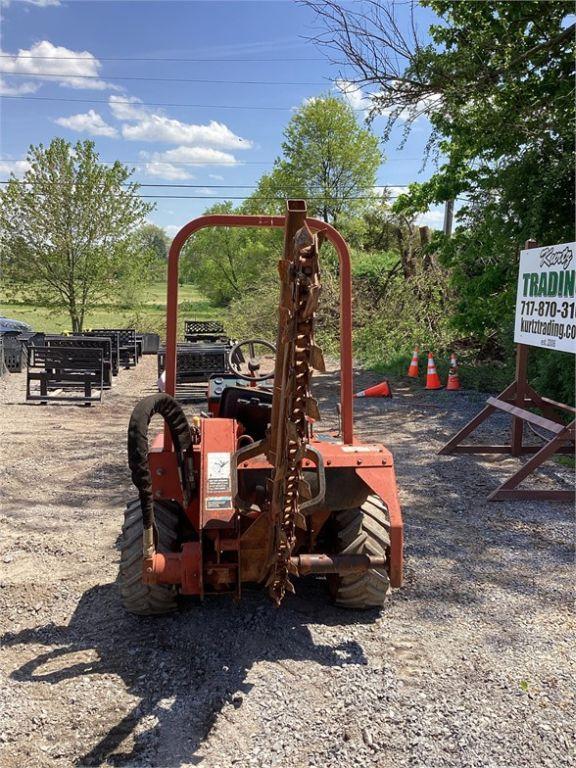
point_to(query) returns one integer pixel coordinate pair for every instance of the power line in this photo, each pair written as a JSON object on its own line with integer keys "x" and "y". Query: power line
{"x": 184, "y": 162}
{"x": 223, "y": 163}
{"x": 329, "y": 198}
{"x": 199, "y": 186}
{"x": 324, "y": 198}
{"x": 157, "y": 104}
{"x": 159, "y": 79}
{"x": 96, "y": 59}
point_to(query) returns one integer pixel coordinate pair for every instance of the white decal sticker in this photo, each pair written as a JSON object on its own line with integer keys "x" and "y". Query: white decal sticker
{"x": 218, "y": 466}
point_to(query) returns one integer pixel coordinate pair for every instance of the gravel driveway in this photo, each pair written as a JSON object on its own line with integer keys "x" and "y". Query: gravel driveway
{"x": 470, "y": 664}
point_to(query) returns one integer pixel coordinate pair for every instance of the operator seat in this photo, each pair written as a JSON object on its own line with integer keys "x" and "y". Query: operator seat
{"x": 251, "y": 406}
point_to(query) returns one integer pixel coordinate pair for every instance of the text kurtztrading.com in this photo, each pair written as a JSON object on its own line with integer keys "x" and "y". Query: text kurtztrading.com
{"x": 548, "y": 328}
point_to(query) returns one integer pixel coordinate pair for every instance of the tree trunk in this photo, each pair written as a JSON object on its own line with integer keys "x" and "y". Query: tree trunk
{"x": 75, "y": 316}
{"x": 76, "y": 308}
{"x": 405, "y": 246}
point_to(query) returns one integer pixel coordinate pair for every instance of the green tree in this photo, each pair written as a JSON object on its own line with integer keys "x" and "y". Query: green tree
{"x": 328, "y": 158}
{"x": 149, "y": 244}
{"x": 496, "y": 82}
{"x": 67, "y": 227}
{"x": 226, "y": 263}
{"x": 153, "y": 240}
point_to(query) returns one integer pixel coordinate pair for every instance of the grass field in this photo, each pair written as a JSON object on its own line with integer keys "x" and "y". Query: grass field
{"x": 151, "y": 316}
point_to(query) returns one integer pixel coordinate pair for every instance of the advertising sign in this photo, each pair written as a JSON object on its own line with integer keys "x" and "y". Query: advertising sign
{"x": 545, "y": 301}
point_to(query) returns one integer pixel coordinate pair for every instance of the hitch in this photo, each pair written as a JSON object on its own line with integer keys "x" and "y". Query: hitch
{"x": 181, "y": 568}
{"x": 306, "y": 564}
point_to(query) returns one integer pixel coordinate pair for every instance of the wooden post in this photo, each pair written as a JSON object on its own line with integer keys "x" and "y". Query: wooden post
{"x": 521, "y": 385}
{"x": 521, "y": 381}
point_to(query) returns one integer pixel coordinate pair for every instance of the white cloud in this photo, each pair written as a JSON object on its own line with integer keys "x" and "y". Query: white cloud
{"x": 354, "y": 96}
{"x": 39, "y": 3}
{"x": 363, "y": 102}
{"x": 392, "y": 190}
{"x": 191, "y": 156}
{"x": 198, "y": 144}
{"x": 147, "y": 125}
{"x": 305, "y": 102}
{"x": 17, "y": 167}
{"x": 90, "y": 122}
{"x": 172, "y": 230}
{"x": 433, "y": 218}
{"x": 17, "y": 89}
{"x": 215, "y": 176}
{"x": 167, "y": 171}
{"x": 396, "y": 191}
{"x": 174, "y": 163}
{"x": 420, "y": 109}
{"x": 125, "y": 108}
{"x": 70, "y": 67}
{"x": 156, "y": 127}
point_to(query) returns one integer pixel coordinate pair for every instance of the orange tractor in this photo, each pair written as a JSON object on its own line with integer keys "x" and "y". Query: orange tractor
{"x": 248, "y": 493}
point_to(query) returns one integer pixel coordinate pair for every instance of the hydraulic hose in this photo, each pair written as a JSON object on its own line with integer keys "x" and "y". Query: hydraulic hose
{"x": 175, "y": 418}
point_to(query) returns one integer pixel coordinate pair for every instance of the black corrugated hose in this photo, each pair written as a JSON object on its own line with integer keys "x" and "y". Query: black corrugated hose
{"x": 175, "y": 418}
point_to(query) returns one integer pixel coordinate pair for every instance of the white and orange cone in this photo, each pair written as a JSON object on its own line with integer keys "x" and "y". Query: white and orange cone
{"x": 378, "y": 390}
{"x": 432, "y": 378}
{"x": 413, "y": 368}
{"x": 453, "y": 378}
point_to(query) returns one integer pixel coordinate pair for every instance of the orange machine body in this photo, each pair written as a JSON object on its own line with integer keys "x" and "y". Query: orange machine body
{"x": 230, "y": 542}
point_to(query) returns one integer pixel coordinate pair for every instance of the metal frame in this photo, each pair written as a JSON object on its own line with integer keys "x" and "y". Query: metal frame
{"x": 84, "y": 369}
{"x": 114, "y": 337}
{"x": 86, "y": 342}
{"x": 127, "y": 346}
{"x": 14, "y": 351}
{"x": 277, "y": 222}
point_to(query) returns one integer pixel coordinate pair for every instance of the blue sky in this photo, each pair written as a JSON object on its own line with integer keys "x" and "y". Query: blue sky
{"x": 223, "y": 140}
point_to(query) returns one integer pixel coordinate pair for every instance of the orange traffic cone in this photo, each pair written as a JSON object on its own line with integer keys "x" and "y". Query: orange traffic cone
{"x": 453, "y": 380}
{"x": 378, "y": 390}
{"x": 413, "y": 369}
{"x": 432, "y": 378}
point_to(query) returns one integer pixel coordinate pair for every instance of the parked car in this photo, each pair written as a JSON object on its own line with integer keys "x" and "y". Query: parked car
{"x": 6, "y": 325}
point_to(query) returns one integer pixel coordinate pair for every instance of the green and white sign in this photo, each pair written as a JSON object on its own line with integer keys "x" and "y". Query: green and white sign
{"x": 545, "y": 302}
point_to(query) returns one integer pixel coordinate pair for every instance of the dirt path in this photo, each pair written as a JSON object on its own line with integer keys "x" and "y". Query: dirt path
{"x": 470, "y": 664}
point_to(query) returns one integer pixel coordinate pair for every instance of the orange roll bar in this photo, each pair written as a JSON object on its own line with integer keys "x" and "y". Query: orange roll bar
{"x": 231, "y": 220}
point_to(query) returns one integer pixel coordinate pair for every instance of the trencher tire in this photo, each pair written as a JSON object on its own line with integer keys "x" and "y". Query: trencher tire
{"x": 363, "y": 530}
{"x": 139, "y": 598}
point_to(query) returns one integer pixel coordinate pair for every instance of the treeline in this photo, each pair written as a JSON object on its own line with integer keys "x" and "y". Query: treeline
{"x": 331, "y": 161}
{"x": 495, "y": 80}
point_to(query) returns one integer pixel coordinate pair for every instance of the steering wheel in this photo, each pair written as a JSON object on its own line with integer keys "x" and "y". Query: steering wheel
{"x": 236, "y": 358}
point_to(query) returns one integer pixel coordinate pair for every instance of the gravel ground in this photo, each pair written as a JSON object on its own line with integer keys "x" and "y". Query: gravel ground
{"x": 470, "y": 664}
